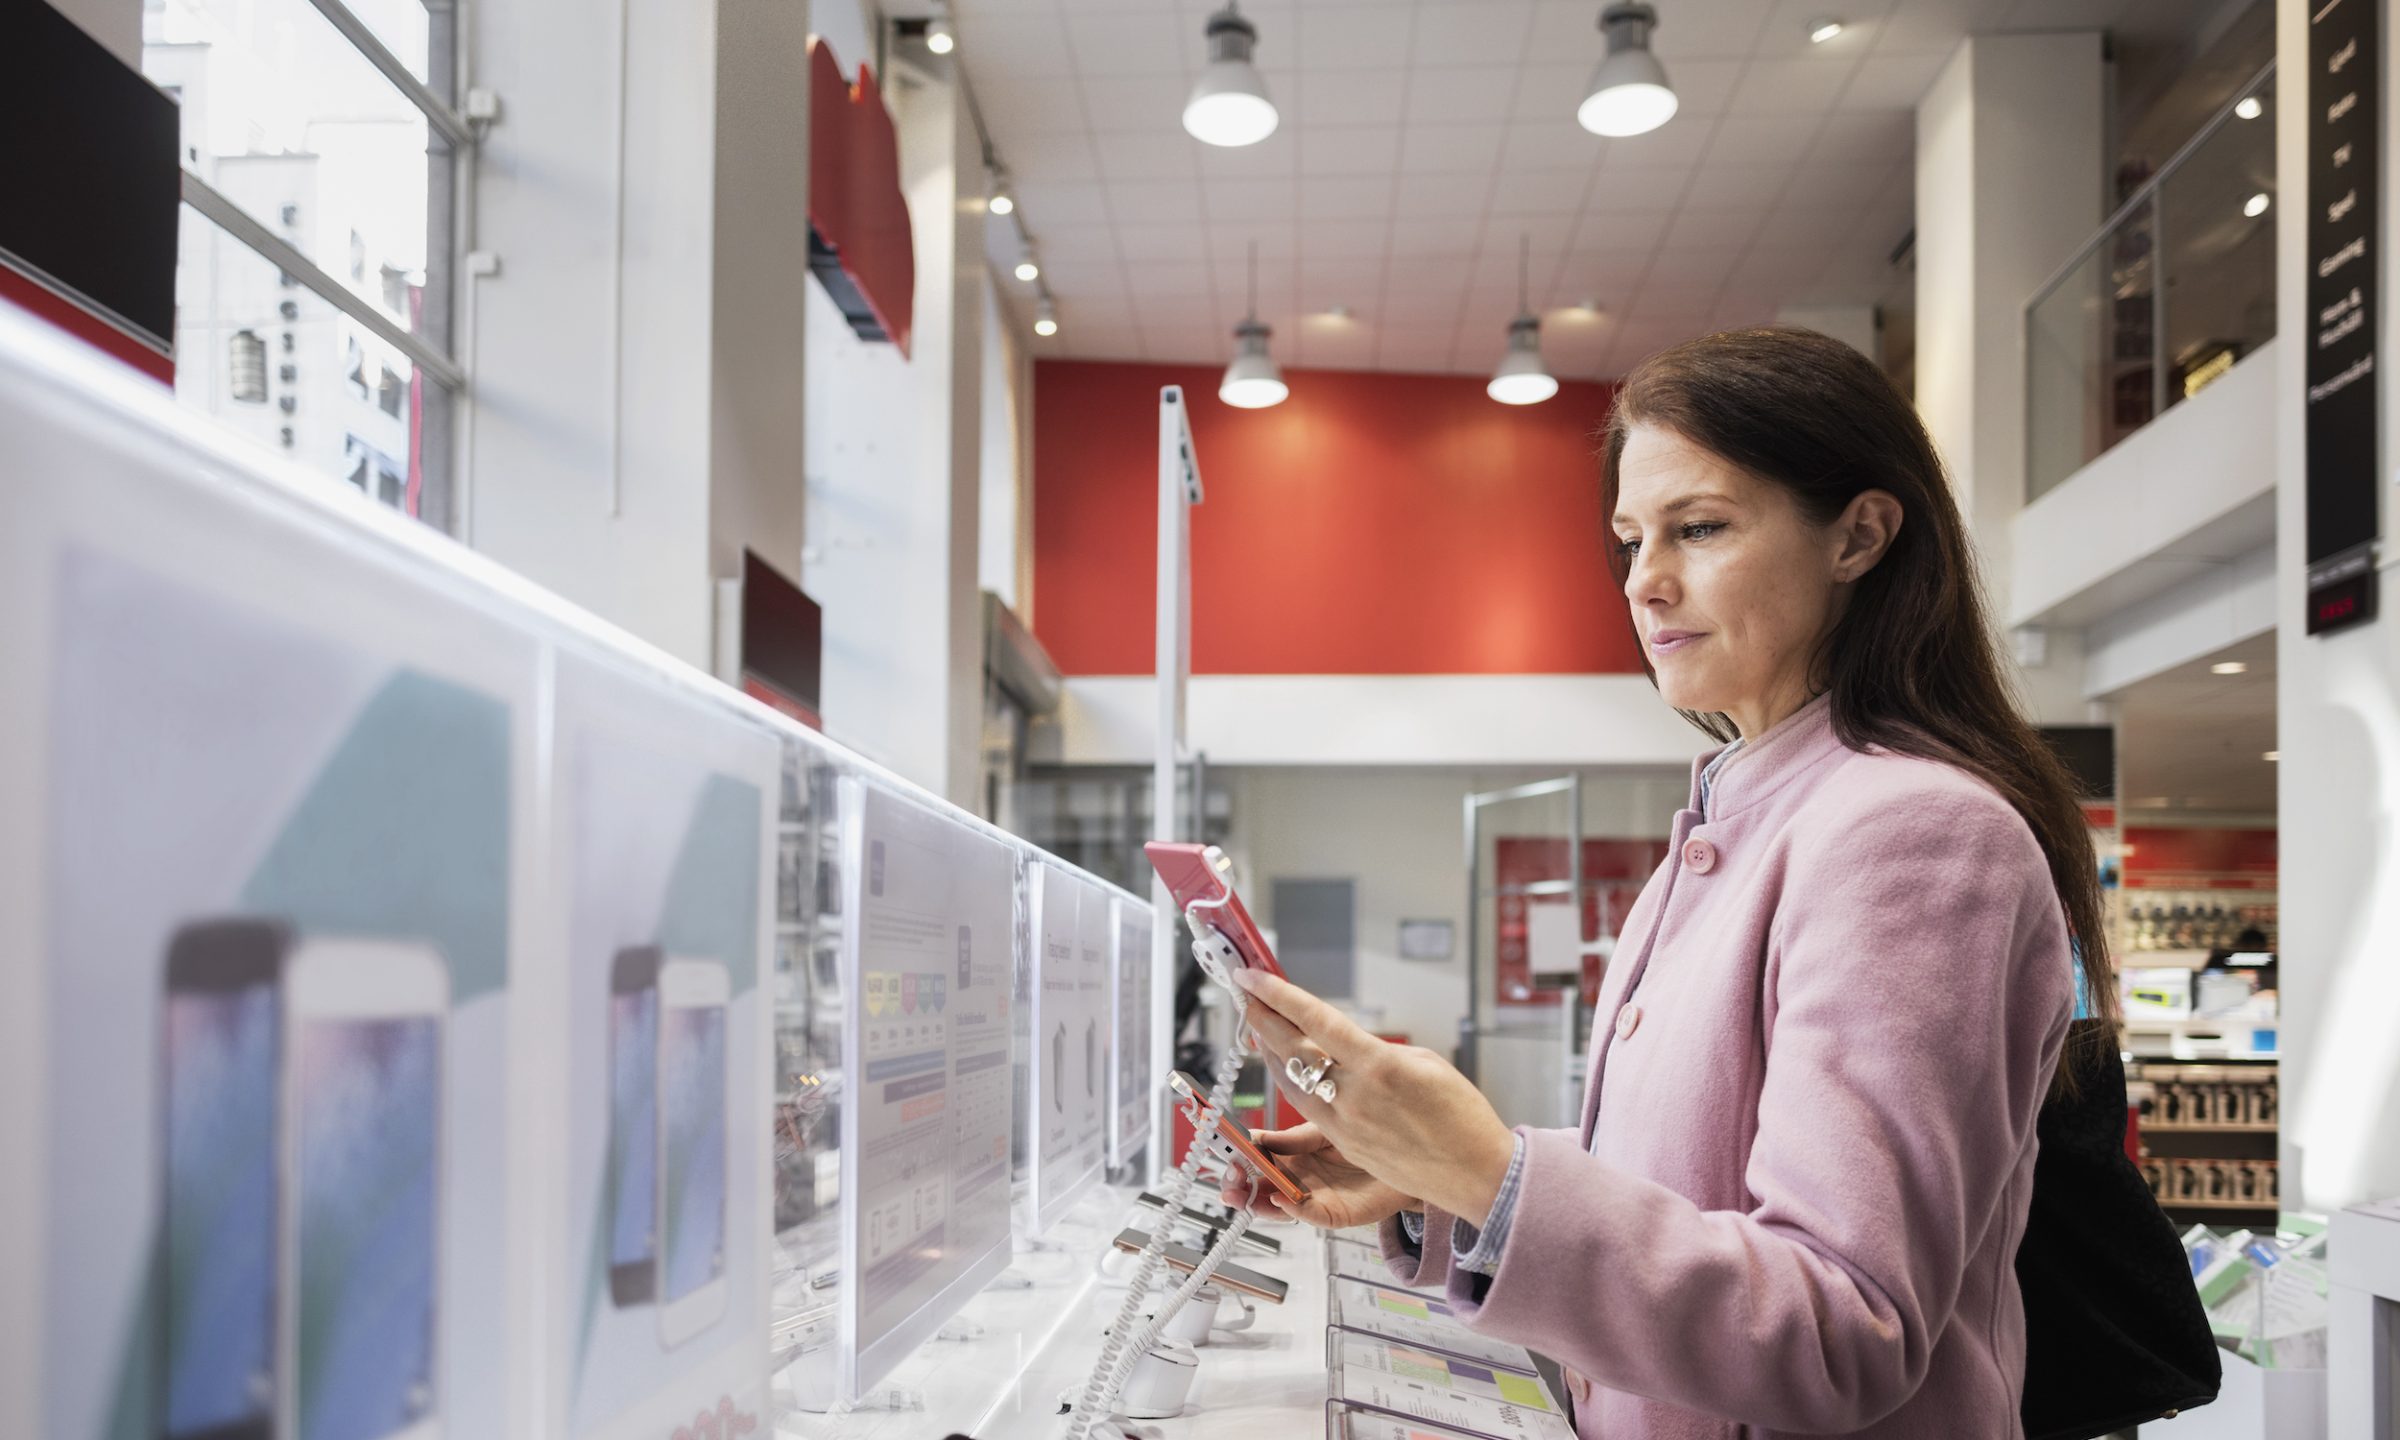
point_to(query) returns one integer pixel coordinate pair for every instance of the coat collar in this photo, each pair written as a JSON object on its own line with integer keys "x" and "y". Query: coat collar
{"x": 1765, "y": 765}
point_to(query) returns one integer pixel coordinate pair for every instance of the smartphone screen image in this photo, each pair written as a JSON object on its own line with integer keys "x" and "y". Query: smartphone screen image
{"x": 361, "y": 1220}
{"x": 693, "y": 1146}
{"x": 222, "y": 1047}
{"x": 633, "y": 1125}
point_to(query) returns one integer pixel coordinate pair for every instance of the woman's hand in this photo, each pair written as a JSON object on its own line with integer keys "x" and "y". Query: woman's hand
{"x": 1401, "y": 1113}
{"x": 1340, "y": 1194}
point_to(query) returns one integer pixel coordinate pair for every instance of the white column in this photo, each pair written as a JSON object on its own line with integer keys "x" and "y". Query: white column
{"x": 2011, "y": 178}
{"x": 2338, "y": 728}
{"x": 637, "y": 358}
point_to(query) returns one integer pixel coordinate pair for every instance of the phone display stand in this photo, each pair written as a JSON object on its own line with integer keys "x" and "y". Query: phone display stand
{"x": 1193, "y": 1324}
{"x": 1131, "y": 1343}
{"x": 1161, "y": 1381}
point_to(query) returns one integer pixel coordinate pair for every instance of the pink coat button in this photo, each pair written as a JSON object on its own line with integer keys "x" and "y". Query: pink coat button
{"x": 1700, "y": 856}
{"x": 1628, "y": 1016}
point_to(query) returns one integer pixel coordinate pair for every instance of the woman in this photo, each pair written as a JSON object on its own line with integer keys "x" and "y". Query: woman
{"x": 1794, "y": 1200}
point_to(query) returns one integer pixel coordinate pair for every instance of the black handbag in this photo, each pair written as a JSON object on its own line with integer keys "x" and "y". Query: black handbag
{"x": 2115, "y": 1334}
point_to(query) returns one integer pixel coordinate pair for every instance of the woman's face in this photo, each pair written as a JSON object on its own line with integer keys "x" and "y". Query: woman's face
{"x": 1731, "y": 586}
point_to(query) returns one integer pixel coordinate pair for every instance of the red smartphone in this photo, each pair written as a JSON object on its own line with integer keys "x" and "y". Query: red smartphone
{"x": 1235, "y": 1139}
{"x": 1201, "y": 875}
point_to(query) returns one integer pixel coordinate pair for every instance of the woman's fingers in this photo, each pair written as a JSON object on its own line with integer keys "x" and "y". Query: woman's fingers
{"x": 1277, "y": 1034}
{"x": 1298, "y": 1140}
{"x": 1337, "y": 1034}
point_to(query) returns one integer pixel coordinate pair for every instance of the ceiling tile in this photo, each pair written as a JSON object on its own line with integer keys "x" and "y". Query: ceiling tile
{"x": 1541, "y": 192}
{"x": 1029, "y": 107}
{"x": 1710, "y": 28}
{"x": 1447, "y": 95}
{"x": 1558, "y": 144}
{"x": 1808, "y": 226}
{"x": 1454, "y": 236}
{"x": 1780, "y": 266}
{"x": 1354, "y": 37}
{"x": 1791, "y": 87}
{"x": 1631, "y": 189}
{"x": 1068, "y": 244}
{"x": 1449, "y": 149}
{"x": 1349, "y": 150}
{"x": 1061, "y": 202}
{"x": 1132, "y": 42}
{"x": 1018, "y": 46}
{"x": 1609, "y": 228}
{"x": 1153, "y": 201}
{"x": 1923, "y": 25}
{"x": 1357, "y": 197}
{"x": 1353, "y": 97}
{"x": 1277, "y": 238}
{"x": 1834, "y": 186}
{"x": 1680, "y": 141}
{"x": 1565, "y": 30}
{"x": 1486, "y": 32}
{"x": 1367, "y": 239}
{"x": 1168, "y": 280}
{"x": 1674, "y": 302}
{"x": 1050, "y": 157}
{"x": 1715, "y": 227}
{"x": 1758, "y": 140}
{"x": 1602, "y": 272}
{"x": 1865, "y": 137}
{"x": 1693, "y": 266}
{"x": 1885, "y": 82}
{"x": 1251, "y": 200}
{"x": 1277, "y": 155}
{"x": 1441, "y": 195}
{"x": 1146, "y": 155}
{"x": 1163, "y": 242}
{"x": 1348, "y": 275}
{"x": 1551, "y": 91}
{"x": 1130, "y": 102}
{"x": 1722, "y": 186}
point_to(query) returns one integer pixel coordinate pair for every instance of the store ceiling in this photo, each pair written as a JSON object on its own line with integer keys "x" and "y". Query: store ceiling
{"x": 1422, "y": 138}
{"x": 2194, "y": 739}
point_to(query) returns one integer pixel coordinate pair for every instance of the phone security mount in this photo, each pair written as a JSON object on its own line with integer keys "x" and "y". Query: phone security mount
{"x": 1135, "y": 1364}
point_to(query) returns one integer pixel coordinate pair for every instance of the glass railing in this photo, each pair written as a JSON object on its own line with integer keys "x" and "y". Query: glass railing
{"x": 2176, "y": 287}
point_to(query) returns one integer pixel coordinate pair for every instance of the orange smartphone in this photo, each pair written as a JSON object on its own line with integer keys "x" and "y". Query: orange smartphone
{"x": 1234, "y": 1138}
{"x": 1200, "y": 874}
{"x": 1186, "y": 1259}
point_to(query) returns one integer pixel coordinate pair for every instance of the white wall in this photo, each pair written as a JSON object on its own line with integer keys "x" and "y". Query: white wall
{"x": 2339, "y": 731}
{"x": 895, "y": 465}
{"x": 1005, "y": 566}
{"x": 638, "y": 356}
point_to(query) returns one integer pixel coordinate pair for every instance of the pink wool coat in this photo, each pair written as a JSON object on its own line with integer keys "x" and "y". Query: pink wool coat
{"x": 1807, "y": 1146}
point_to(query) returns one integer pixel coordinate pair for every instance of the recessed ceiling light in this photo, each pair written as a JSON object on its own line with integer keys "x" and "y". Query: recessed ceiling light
{"x": 2228, "y": 667}
{"x": 2256, "y": 205}
{"x": 1822, "y": 30}
{"x": 2271, "y": 755}
{"x": 2249, "y": 108}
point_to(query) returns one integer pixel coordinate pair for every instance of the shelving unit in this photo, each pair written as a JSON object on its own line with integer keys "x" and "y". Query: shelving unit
{"x": 2179, "y": 1153}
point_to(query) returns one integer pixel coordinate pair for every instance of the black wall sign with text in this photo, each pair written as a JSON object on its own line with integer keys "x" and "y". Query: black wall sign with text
{"x": 2345, "y": 239}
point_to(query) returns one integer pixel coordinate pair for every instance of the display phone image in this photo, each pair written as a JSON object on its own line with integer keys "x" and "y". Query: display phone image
{"x": 1235, "y": 1139}
{"x": 364, "y": 1023}
{"x": 220, "y": 1053}
{"x": 633, "y": 1125}
{"x": 1250, "y": 1239}
{"x": 1186, "y": 1259}
{"x": 693, "y": 1146}
{"x": 1202, "y": 875}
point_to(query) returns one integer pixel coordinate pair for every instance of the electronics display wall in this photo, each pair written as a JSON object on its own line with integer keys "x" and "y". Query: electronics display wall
{"x": 671, "y": 1041}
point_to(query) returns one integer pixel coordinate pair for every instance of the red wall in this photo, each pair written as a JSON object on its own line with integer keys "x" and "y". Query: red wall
{"x": 1372, "y": 524}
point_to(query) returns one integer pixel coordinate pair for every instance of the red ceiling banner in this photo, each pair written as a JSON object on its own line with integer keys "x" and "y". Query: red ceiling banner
{"x": 860, "y": 246}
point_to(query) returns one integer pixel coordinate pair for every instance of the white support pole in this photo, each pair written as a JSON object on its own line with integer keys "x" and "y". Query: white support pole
{"x": 1178, "y": 491}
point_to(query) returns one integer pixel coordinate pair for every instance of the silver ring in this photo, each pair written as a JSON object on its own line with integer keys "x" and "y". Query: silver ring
{"x": 1310, "y": 1079}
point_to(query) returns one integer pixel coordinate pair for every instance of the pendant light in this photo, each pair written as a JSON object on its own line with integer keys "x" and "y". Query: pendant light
{"x": 939, "y": 38}
{"x": 1253, "y": 381}
{"x": 1045, "y": 317}
{"x": 1229, "y": 106}
{"x": 1522, "y": 378}
{"x": 1629, "y": 93}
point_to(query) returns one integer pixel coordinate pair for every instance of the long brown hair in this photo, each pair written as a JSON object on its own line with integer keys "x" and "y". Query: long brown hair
{"x": 1910, "y": 664}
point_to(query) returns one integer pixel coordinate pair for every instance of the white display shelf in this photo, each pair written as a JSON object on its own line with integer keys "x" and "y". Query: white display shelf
{"x": 1034, "y": 1341}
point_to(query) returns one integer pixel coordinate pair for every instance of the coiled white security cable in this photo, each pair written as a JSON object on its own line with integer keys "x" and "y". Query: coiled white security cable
{"x": 1124, "y": 1346}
